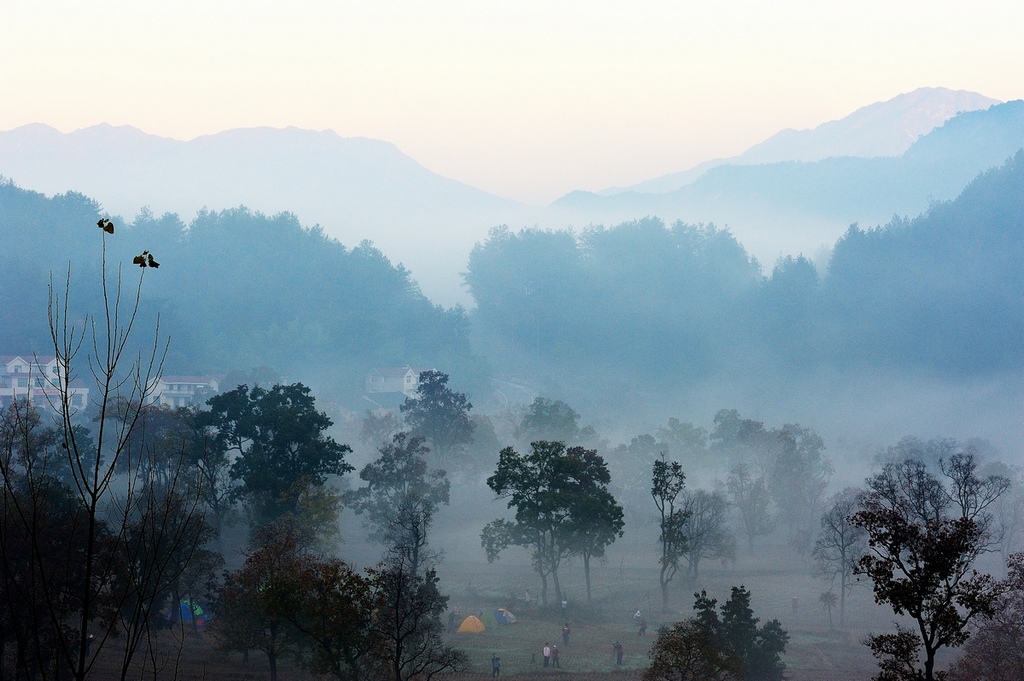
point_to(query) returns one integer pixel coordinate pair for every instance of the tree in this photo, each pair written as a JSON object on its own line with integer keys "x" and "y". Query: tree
{"x": 407, "y": 623}
{"x": 1008, "y": 511}
{"x": 401, "y": 496}
{"x": 840, "y": 545}
{"x": 44, "y": 551}
{"x": 597, "y": 517}
{"x": 750, "y": 497}
{"x": 439, "y": 414}
{"x": 561, "y": 504}
{"x": 923, "y": 539}
{"x": 678, "y": 439}
{"x": 281, "y": 451}
{"x": 667, "y": 483}
{"x": 332, "y": 613}
{"x": 707, "y": 532}
{"x": 379, "y": 427}
{"x": 689, "y": 652}
{"x": 257, "y": 601}
{"x": 790, "y": 459}
{"x": 97, "y": 526}
{"x": 994, "y": 651}
{"x": 212, "y": 467}
{"x": 828, "y": 600}
{"x": 797, "y": 481}
{"x": 720, "y": 645}
{"x": 549, "y": 420}
{"x": 761, "y": 648}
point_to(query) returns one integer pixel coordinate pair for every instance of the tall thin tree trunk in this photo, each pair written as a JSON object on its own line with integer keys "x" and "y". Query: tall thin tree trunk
{"x": 586, "y": 572}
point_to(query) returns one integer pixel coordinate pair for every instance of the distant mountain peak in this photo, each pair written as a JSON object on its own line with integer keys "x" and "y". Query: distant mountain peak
{"x": 885, "y": 128}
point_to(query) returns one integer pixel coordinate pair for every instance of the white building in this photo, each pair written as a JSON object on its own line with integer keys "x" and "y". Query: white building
{"x": 405, "y": 380}
{"x": 184, "y": 391}
{"x": 36, "y": 378}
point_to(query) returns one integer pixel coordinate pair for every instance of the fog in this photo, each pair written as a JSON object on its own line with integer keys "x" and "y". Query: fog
{"x": 783, "y": 364}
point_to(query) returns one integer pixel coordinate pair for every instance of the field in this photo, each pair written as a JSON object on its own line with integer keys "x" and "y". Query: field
{"x": 816, "y": 652}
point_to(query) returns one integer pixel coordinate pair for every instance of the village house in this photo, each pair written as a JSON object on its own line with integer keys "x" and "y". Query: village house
{"x": 185, "y": 391}
{"x": 35, "y": 378}
{"x": 405, "y": 380}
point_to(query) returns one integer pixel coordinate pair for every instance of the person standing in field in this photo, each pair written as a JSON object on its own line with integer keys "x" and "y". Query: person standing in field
{"x": 554, "y": 657}
{"x": 547, "y": 654}
{"x": 565, "y": 634}
{"x": 495, "y": 665}
{"x": 618, "y": 650}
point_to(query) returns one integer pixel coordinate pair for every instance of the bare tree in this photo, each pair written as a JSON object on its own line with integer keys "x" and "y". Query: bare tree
{"x": 102, "y": 538}
{"x": 751, "y": 498}
{"x": 707, "y": 530}
{"x": 840, "y": 545}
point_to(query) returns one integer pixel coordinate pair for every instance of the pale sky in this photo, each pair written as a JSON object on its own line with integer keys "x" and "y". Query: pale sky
{"x": 527, "y": 99}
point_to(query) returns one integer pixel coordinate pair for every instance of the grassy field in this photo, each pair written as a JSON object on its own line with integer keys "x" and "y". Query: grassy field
{"x": 816, "y": 652}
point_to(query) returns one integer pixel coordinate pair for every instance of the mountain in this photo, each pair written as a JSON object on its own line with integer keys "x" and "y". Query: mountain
{"x": 886, "y": 128}
{"x": 792, "y": 207}
{"x": 361, "y": 189}
{"x": 355, "y": 188}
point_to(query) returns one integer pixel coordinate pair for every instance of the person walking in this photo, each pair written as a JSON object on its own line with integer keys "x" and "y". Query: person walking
{"x": 547, "y": 654}
{"x": 495, "y": 665}
{"x": 554, "y": 657}
{"x": 565, "y": 634}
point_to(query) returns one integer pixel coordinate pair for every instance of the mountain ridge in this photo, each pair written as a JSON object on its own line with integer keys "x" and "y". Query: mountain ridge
{"x": 886, "y": 128}
{"x": 358, "y": 188}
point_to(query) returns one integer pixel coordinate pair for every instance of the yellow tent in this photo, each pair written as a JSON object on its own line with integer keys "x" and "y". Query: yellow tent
{"x": 471, "y": 625}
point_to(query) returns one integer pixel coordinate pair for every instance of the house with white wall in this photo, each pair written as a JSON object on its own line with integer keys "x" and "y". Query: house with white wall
{"x": 36, "y": 378}
{"x": 405, "y": 380}
{"x": 185, "y": 391}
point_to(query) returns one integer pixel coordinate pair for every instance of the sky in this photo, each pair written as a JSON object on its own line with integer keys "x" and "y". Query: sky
{"x": 527, "y": 99}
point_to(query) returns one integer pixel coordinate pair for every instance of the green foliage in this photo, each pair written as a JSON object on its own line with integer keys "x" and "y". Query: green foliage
{"x": 549, "y": 420}
{"x": 719, "y": 645}
{"x": 439, "y": 414}
{"x": 562, "y": 506}
{"x": 667, "y": 483}
{"x": 247, "y": 290}
{"x": 281, "y": 450}
{"x": 401, "y": 496}
{"x": 791, "y": 462}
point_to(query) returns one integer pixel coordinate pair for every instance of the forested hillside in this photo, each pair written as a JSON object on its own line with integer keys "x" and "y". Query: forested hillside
{"x": 234, "y": 290}
{"x": 938, "y": 294}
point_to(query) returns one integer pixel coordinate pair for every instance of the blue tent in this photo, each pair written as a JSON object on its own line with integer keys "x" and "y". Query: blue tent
{"x": 503, "y": 616}
{"x": 193, "y": 612}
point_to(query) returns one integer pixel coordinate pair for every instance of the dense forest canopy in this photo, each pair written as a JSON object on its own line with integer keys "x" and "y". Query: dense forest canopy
{"x": 236, "y": 289}
{"x": 937, "y": 294}
{"x": 610, "y": 311}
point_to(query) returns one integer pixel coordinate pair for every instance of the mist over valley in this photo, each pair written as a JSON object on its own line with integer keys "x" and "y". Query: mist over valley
{"x": 369, "y": 365}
